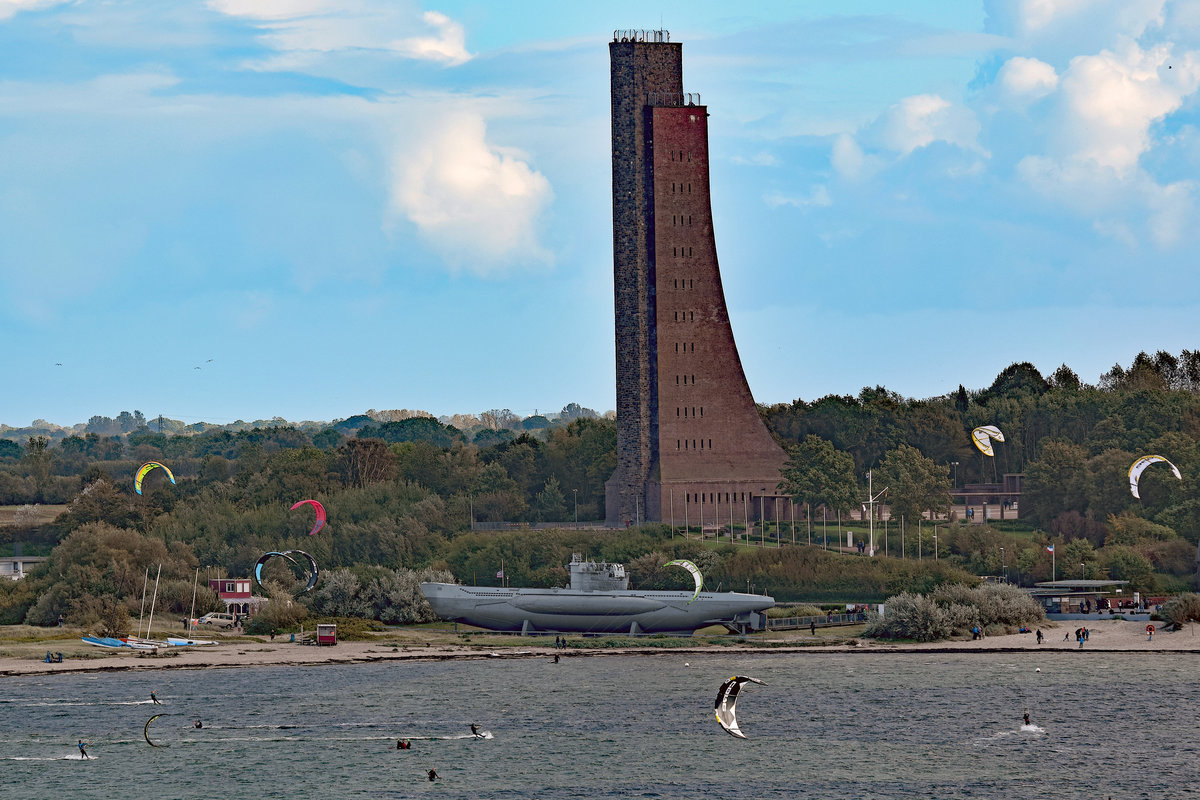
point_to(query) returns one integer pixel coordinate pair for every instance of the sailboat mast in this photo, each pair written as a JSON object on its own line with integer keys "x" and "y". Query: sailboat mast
{"x": 150, "y": 623}
{"x": 142, "y": 610}
{"x": 192, "y": 613}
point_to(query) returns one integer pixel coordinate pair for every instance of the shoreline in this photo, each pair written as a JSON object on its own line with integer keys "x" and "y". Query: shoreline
{"x": 1107, "y": 636}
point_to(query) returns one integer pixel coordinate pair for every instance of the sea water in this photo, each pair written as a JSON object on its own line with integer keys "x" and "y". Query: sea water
{"x": 827, "y": 726}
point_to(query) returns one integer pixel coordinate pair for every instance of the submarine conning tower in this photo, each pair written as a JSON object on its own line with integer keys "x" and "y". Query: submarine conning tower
{"x": 596, "y": 576}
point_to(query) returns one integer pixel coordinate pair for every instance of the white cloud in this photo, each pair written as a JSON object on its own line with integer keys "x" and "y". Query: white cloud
{"x": 819, "y": 197}
{"x": 305, "y": 29}
{"x": 10, "y": 7}
{"x": 448, "y": 44}
{"x": 921, "y": 120}
{"x": 1025, "y": 79}
{"x": 1109, "y": 101}
{"x": 849, "y": 160}
{"x": 479, "y": 204}
{"x": 1045, "y": 20}
{"x": 760, "y": 159}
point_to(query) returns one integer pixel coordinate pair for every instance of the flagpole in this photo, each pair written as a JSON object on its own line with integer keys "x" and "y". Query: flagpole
{"x": 1053, "y": 571}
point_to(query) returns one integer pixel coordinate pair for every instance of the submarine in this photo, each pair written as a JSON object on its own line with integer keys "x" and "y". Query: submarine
{"x": 597, "y": 601}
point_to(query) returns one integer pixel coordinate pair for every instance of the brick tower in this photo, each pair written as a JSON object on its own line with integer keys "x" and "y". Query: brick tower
{"x": 690, "y": 443}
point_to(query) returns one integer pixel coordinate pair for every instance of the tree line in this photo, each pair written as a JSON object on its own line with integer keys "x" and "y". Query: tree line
{"x": 411, "y": 493}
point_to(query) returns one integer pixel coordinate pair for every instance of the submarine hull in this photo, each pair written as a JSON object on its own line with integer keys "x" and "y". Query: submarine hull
{"x": 617, "y": 611}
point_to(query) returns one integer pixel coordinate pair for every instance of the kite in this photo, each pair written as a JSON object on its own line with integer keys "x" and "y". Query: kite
{"x": 983, "y": 437}
{"x": 1139, "y": 466}
{"x": 320, "y": 509}
{"x": 727, "y": 700}
{"x": 692, "y": 568}
{"x": 146, "y": 732}
{"x": 287, "y": 556}
{"x": 145, "y": 468}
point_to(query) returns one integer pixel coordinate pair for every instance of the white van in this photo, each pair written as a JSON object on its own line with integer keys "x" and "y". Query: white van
{"x": 219, "y": 619}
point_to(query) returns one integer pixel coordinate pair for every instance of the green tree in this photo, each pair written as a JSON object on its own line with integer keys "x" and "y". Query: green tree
{"x": 914, "y": 483}
{"x": 1055, "y": 482}
{"x": 1127, "y": 564}
{"x": 817, "y": 473}
{"x": 550, "y": 504}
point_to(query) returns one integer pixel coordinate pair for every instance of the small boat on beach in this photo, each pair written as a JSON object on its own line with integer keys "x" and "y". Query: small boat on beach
{"x": 103, "y": 641}
{"x": 175, "y": 641}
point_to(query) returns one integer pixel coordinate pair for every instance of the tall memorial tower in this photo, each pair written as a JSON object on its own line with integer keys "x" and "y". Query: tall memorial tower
{"x": 690, "y": 442}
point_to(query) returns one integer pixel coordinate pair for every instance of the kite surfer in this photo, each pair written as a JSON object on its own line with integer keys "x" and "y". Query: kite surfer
{"x": 475, "y": 731}
{"x": 433, "y": 776}
{"x": 197, "y": 724}
{"x": 1027, "y": 722}
{"x": 82, "y": 751}
{"x": 154, "y": 699}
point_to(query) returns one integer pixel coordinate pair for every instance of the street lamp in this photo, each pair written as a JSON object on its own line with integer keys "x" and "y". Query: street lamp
{"x": 762, "y": 517}
{"x": 955, "y": 465}
{"x": 1003, "y": 565}
{"x": 935, "y": 549}
{"x": 576, "y": 493}
{"x": 871, "y": 498}
{"x": 1083, "y": 570}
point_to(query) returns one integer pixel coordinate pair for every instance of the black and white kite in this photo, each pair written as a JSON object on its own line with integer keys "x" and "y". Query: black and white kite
{"x": 727, "y": 702}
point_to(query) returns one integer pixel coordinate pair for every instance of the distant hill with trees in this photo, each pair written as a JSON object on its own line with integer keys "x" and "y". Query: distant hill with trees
{"x": 405, "y": 491}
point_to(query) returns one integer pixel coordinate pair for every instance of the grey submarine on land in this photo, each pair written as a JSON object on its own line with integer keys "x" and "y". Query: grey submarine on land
{"x": 598, "y": 600}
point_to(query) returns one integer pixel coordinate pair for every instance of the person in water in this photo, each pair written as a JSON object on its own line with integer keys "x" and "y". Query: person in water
{"x": 197, "y": 724}
{"x": 433, "y": 776}
{"x": 475, "y": 731}
{"x": 82, "y": 751}
{"x": 1027, "y": 722}
{"x": 154, "y": 699}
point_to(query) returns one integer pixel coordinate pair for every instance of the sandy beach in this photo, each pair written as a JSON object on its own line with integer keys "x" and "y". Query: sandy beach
{"x": 26, "y": 657}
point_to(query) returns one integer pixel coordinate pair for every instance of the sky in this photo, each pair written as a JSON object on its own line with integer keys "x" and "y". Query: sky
{"x": 246, "y": 209}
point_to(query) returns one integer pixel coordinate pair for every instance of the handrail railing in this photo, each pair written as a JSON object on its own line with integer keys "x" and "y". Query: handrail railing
{"x": 634, "y": 35}
{"x": 673, "y": 99}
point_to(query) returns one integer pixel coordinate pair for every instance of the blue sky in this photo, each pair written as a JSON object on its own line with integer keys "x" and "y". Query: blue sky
{"x": 330, "y": 206}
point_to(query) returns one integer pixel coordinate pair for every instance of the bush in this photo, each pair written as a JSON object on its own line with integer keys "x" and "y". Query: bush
{"x": 953, "y": 610}
{"x": 1182, "y": 608}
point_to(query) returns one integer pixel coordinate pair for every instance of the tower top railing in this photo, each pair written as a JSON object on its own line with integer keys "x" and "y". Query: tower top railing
{"x": 659, "y": 36}
{"x": 673, "y": 99}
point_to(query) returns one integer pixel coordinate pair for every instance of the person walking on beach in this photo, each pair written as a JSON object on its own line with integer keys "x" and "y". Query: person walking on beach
{"x": 1039, "y": 636}
{"x": 82, "y": 750}
{"x": 812, "y": 627}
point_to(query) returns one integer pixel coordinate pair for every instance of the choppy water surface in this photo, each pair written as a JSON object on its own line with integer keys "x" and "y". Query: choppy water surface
{"x": 827, "y": 726}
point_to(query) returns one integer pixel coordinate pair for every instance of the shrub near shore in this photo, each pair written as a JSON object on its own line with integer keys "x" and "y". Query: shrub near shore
{"x": 953, "y": 610}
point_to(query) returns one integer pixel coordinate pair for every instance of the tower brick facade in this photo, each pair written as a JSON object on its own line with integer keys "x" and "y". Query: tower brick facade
{"x": 691, "y": 445}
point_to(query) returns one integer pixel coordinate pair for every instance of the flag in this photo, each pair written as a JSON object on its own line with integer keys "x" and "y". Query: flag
{"x": 500, "y": 574}
{"x": 1049, "y": 548}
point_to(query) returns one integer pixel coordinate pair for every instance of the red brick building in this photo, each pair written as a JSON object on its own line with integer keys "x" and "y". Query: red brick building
{"x": 690, "y": 441}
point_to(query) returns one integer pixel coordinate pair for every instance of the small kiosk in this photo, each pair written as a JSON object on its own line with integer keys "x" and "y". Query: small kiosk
{"x": 326, "y": 633}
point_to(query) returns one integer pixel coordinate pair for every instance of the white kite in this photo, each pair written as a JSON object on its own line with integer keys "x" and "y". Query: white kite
{"x": 1139, "y": 466}
{"x": 692, "y": 568}
{"x": 983, "y": 436}
{"x": 727, "y": 701}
